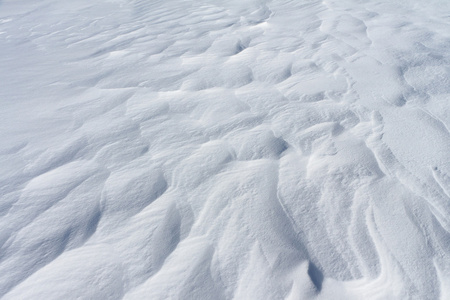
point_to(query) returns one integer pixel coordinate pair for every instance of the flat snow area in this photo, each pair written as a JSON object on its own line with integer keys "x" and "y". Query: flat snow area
{"x": 217, "y": 149}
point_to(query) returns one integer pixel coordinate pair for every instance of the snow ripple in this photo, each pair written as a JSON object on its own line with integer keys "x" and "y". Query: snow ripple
{"x": 220, "y": 149}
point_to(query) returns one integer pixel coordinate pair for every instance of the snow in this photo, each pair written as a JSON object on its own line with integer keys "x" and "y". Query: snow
{"x": 224, "y": 149}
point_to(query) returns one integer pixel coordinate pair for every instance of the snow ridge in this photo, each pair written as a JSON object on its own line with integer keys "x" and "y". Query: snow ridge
{"x": 224, "y": 150}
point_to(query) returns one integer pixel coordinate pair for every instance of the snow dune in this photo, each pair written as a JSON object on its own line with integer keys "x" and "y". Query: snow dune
{"x": 224, "y": 149}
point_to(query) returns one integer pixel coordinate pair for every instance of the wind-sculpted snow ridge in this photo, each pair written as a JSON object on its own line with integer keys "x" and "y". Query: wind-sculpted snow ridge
{"x": 224, "y": 149}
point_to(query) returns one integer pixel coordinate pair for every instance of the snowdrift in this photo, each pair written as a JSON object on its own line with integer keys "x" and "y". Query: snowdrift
{"x": 224, "y": 149}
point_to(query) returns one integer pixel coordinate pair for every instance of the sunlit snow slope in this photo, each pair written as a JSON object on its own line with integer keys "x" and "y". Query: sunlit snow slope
{"x": 224, "y": 149}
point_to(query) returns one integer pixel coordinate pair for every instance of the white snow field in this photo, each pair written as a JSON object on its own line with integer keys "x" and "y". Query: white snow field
{"x": 225, "y": 149}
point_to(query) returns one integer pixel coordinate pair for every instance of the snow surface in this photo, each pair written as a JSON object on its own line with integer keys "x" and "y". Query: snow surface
{"x": 218, "y": 149}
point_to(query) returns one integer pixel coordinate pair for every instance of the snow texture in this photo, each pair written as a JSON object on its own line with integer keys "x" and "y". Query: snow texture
{"x": 218, "y": 149}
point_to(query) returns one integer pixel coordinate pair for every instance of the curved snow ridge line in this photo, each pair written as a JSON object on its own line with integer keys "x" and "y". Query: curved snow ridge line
{"x": 39, "y": 224}
{"x": 443, "y": 179}
{"x": 437, "y": 197}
